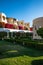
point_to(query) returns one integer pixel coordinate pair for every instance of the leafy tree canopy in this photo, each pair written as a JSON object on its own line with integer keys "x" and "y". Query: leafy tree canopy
{"x": 40, "y": 32}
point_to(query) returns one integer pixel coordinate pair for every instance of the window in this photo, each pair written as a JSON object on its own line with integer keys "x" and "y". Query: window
{"x": 3, "y": 18}
{"x": 35, "y": 34}
{"x": 21, "y": 22}
{"x": 35, "y": 27}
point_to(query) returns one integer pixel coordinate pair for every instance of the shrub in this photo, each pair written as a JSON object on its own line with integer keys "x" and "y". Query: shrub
{"x": 3, "y": 34}
{"x": 37, "y": 62}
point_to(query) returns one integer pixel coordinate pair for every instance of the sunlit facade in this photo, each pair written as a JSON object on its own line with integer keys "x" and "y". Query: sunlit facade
{"x": 37, "y": 23}
{"x": 12, "y": 23}
{"x": 8, "y": 24}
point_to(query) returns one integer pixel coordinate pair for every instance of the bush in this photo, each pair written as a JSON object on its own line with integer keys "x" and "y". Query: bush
{"x": 3, "y": 34}
{"x": 30, "y": 43}
{"x": 10, "y": 40}
{"x": 27, "y": 42}
{"x": 37, "y": 62}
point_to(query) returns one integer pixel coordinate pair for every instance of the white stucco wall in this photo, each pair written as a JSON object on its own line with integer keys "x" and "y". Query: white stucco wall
{"x": 37, "y": 23}
{"x": 1, "y": 18}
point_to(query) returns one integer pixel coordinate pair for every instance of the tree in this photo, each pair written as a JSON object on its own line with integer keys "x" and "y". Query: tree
{"x": 40, "y": 32}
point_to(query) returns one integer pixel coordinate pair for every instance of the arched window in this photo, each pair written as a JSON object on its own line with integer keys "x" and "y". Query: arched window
{"x": 3, "y": 17}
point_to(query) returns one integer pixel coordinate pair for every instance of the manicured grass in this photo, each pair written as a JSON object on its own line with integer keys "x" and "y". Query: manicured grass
{"x": 13, "y": 54}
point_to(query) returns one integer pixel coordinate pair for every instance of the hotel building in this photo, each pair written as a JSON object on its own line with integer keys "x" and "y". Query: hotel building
{"x": 37, "y": 23}
{"x": 13, "y": 25}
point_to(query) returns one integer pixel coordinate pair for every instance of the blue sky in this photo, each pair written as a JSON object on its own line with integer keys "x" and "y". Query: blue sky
{"x": 26, "y": 10}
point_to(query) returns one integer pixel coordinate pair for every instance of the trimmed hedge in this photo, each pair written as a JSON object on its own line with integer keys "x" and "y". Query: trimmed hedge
{"x": 27, "y": 43}
{"x": 10, "y": 40}
{"x": 31, "y": 43}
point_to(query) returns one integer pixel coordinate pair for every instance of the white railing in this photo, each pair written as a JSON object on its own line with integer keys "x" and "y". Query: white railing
{"x": 14, "y": 30}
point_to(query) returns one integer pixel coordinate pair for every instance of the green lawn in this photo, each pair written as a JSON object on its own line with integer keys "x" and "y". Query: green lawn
{"x": 13, "y": 54}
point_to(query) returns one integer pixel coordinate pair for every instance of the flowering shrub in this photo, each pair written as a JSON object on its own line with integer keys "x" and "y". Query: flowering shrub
{"x": 21, "y": 27}
{"x": 9, "y": 26}
{"x": 31, "y": 29}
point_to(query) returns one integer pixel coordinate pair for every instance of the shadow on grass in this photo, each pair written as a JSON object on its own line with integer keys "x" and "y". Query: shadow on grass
{"x": 37, "y": 62}
{"x": 17, "y": 50}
